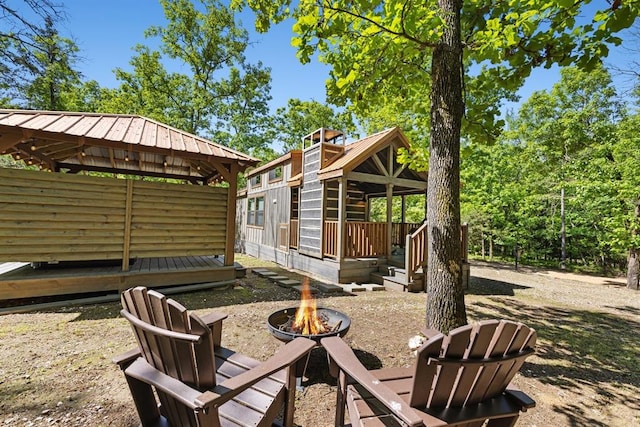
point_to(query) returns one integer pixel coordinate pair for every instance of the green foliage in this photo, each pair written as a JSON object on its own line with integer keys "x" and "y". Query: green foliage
{"x": 222, "y": 96}
{"x": 299, "y": 118}
{"x": 51, "y": 69}
{"x": 380, "y": 52}
{"x": 37, "y": 65}
{"x": 414, "y": 209}
{"x": 6, "y": 161}
{"x": 571, "y": 138}
{"x": 624, "y": 222}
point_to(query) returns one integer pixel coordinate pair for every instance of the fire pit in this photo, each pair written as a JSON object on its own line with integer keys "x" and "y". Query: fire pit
{"x": 307, "y": 320}
{"x": 281, "y": 324}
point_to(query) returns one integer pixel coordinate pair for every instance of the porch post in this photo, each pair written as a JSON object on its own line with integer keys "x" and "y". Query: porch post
{"x": 342, "y": 216}
{"x": 389, "y": 217}
{"x": 367, "y": 213}
{"x": 404, "y": 207}
{"x": 231, "y": 216}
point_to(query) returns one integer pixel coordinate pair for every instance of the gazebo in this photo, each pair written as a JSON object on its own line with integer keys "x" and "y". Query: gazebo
{"x": 121, "y": 212}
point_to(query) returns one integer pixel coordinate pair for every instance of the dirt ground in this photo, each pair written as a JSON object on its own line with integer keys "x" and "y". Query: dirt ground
{"x": 55, "y": 366}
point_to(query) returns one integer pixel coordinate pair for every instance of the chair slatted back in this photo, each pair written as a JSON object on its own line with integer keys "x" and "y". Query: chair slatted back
{"x": 173, "y": 341}
{"x": 473, "y": 363}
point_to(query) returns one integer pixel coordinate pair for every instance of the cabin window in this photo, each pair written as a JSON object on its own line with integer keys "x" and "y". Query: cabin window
{"x": 256, "y": 181}
{"x": 255, "y": 211}
{"x": 275, "y": 174}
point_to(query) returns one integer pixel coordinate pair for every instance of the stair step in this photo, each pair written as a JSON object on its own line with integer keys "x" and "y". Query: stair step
{"x": 386, "y": 269}
{"x": 287, "y": 283}
{"x": 401, "y": 274}
{"x": 263, "y": 272}
{"x": 374, "y": 287}
{"x": 393, "y": 283}
{"x": 300, "y": 288}
{"x": 396, "y": 263}
{"x": 353, "y": 287}
{"x": 328, "y": 287}
{"x": 377, "y": 277}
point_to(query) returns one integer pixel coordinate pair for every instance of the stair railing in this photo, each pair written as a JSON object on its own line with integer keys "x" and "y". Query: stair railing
{"x": 415, "y": 252}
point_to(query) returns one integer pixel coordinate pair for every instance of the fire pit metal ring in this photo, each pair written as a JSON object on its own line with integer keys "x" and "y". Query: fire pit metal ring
{"x": 281, "y": 317}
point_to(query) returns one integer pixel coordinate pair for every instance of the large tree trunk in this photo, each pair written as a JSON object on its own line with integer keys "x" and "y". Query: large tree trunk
{"x": 633, "y": 270}
{"x": 445, "y": 300}
{"x": 633, "y": 267}
{"x": 563, "y": 233}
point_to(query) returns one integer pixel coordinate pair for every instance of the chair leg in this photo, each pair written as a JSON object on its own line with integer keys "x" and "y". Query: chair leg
{"x": 290, "y": 397}
{"x": 341, "y": 400}
{"x": 145, "y": 401}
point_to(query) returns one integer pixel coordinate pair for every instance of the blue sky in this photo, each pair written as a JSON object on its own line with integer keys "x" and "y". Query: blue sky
{"x": 107, "y": 31}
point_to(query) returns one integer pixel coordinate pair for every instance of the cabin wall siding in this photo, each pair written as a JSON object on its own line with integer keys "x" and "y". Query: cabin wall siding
{"x": 347, "y": 271}
{"x": 311, "y": 194}
{"x": 49, "y": 217}
{"x": 274, "y": 213}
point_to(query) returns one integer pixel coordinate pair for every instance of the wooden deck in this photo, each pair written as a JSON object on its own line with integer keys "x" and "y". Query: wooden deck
{"x": 27, "y": 282}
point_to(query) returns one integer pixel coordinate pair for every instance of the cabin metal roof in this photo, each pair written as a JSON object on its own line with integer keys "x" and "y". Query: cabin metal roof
{"x": 291, "y": 155}
{"x": 375, "y": 155}
{"x": 118, "y": 143}
{"x": 356, "y": 152}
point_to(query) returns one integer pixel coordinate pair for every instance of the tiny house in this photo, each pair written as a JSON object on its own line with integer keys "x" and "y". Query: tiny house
{"x": 310, "y": 209}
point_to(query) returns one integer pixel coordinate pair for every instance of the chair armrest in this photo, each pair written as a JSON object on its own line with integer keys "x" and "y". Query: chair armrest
{"x": 213, "y": 317}
{"x": 214, "y": 321}
{"x": 342, "y": 355}
{"x": 520, "y": 397}
{"x": 429, "y": 333}
{"x": 188, "y": 396}
{"x": 125, "y": 359}
{"x": 283, "y": 358}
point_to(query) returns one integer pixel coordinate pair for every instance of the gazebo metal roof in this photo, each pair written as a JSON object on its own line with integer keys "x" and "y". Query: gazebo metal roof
{"x": 114, "y": 143}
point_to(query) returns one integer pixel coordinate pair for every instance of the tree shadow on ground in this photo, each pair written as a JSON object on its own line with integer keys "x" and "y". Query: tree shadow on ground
{"x": 578, "y": 348}
{"x": 483, "y": 286}
{"x": 246, "y": 290}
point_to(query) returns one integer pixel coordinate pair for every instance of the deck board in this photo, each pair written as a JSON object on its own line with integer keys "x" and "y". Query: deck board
{"x": 27, "y": 282}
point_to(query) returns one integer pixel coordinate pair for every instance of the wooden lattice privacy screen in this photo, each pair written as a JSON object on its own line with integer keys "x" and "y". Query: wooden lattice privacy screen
{"x": 48, "y": 217}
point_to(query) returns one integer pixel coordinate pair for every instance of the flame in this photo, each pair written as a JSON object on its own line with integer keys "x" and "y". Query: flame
{"x": 306, "y": 321}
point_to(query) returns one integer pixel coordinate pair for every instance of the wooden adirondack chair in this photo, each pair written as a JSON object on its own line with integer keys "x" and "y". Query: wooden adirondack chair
{"x": 196, "y": 380}
{"x": 458, "y": 380}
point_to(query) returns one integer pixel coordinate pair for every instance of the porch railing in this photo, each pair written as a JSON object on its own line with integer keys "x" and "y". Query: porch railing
{"x": 365, "y": 239}
{"x": 294, "y": 237}
{"x": 362, "y": 239}
{"x": 369, "y": 239}
{"x": 330, "y": 238}
{"x": 283, "y": 236}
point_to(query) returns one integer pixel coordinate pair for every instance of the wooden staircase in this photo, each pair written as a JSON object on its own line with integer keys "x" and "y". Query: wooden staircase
{"x": 408, "y": 272}
{"x": 395, "y": 278}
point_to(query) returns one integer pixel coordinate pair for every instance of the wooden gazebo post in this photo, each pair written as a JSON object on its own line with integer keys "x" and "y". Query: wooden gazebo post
{"x": 389, "y": 218}
{"x": 342, "y": 217}
{"x": 229, "y": 250}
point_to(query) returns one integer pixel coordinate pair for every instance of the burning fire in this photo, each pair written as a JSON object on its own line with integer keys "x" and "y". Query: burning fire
{"x": 307, "y": 321}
